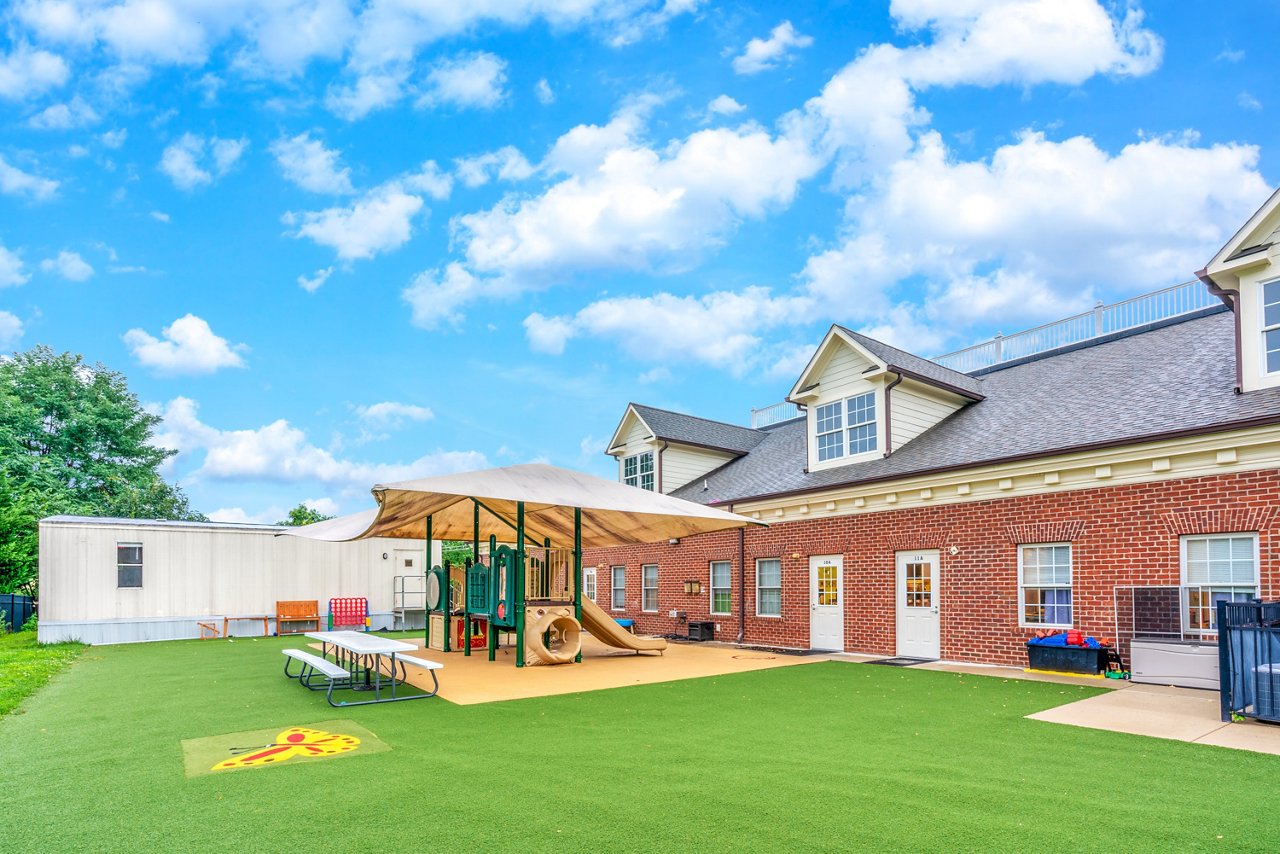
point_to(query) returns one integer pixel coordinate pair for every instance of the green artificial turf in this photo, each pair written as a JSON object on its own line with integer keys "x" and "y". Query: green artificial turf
{"x": 818, "y": 757}
{"x": 26, "y": 665}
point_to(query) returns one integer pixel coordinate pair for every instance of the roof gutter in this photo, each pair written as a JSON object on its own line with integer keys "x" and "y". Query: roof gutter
{"x": 946, "y": 386}
{"x": 665, "y": 445}
{"x": 1263, "y": 421}
{"x": 888, "y": 416}
{"x": 1229, "y": 300}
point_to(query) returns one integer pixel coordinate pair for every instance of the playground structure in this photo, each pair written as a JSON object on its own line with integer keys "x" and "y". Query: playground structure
{"x": 535, "y": 520}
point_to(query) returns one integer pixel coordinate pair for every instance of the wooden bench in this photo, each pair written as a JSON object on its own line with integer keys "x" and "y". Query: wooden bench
{"x": 297, "y": 611}
{"x": 335, "y": 674}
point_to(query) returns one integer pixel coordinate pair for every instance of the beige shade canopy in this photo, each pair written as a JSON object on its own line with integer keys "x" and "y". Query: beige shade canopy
{"x": 613, "y": 514}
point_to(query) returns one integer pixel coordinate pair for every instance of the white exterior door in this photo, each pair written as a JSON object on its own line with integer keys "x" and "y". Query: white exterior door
{"x": 919, "y": 626}
{"x": 410, "y": 562}
{"x": 826, "y": 602}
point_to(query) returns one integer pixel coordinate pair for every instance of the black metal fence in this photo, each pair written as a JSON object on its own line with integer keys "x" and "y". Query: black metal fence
{"x": 1249, "y": 659}
{"x": 14, "y": 611}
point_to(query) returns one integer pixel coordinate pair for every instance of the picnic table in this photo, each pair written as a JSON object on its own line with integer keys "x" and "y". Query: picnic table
{"x": 364, "y": 659}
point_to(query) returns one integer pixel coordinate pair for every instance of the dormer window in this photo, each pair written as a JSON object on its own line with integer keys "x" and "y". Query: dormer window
{"x": 638, "y": 470}
{"x": 1271, "y": 327}
{"x": 846, "y": 427}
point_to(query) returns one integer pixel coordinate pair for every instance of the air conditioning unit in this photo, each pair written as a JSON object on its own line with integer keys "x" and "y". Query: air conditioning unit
{"x": 676, "y": 615}
{"x": 700, "y": 630}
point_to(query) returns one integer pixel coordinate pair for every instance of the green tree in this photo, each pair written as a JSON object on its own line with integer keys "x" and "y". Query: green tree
{"x": 73, "y": 439}
{"x": 302, "y": 515}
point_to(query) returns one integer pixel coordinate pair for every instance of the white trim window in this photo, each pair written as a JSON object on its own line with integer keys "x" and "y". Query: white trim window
{"x": 618, "y": 588}
{"x": 649, "y": 587}
{"x": 1044, "y": 585}
{"x": 846, "y": 427}
{"x": 128, "y": 564}
{"x": 721, "y": 587}
{"x": 768, "y": 587}
{"x": 1270, "y": 295}
{"x": 589, "y": 582}
{"x": 1216, "y": 568}
{"x": 637, "y": 470}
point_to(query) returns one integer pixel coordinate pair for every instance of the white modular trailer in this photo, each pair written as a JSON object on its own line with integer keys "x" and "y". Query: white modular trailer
{"x": 123, "y": 580}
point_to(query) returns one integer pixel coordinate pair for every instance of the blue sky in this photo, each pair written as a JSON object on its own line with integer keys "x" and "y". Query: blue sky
{"x": 337, "y": 243}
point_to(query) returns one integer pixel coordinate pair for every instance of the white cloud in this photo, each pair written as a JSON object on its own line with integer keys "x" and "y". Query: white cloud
{"x": 436, "y": 296}
{"x": 114, "y": 139}
{"x": 1029, "y": 232}
{"x": 723, "y": 105}
{"x": 369, "y": 92}
{"x": 75, "y": 113}
{"x": 307, "y": 163}
{"x": 69, "y": 265}
{"x": 866, "y": 112}
{"x": 1248, "y": 102}
{"x": 311, "y": 285}
{"x": 240, "y": 516}
{"x": 720, "y": 329}
{"x": 77, "y": 151}
{"x": 390, "y": 415}
{"x": 660, "y": 374}
{"x": 280, "y": 452}
{"x": 543, "y": 92}
{"x": 160, "y": 216}
{"x": 765, "y": 54}
{"x": 378, "y": 222}
{"x": 626, "y": 206}
{"x": 468, "y": 80}
{"x": 1229, "y": 55}
{"x": 15, "y": 182}
{"x": 189, "y": 347}
{"x": 193, "y": 160}
{"x": 10, "y": 330}
{"x": 12, "y": 270}
{"x": 505, "y": 164}
{"x": 26, "y": 72}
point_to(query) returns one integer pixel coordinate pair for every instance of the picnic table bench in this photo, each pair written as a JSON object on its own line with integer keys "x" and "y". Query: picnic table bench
{"x": 359, "y": 662}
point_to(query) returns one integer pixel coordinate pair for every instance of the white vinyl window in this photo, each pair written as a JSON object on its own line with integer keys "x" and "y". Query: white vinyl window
{"x": 618, "y": 589}
{"x": 846, "y": 427}
{"x": 769, "y": 587}
{"x": 638, "y": 470}
{"x": 649, "y": 587}
{"x": 1271, "y": 327}
{"x": 128, "y": 564}
{"x": 1044, "y": 584}
{"x": 589, "y": 583}
{"x": 721, "y": 590}
{"x": 1216, "y": 568}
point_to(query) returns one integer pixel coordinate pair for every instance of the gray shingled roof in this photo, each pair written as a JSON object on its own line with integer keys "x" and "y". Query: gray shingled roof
{"x": 916, "y": 365}
{"x": 1177, "y": 378}
{"x": 689, "y": 429}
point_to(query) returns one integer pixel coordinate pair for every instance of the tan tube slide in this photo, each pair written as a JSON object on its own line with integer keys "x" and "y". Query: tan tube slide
{"x": 606, "y": 630}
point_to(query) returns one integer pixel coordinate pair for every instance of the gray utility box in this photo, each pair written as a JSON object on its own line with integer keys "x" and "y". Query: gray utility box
{"x": 700, "y": 630}
{"x": 1186, "y": 663}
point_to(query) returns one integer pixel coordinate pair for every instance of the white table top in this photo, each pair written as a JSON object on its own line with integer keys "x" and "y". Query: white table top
{"x": 362, "y": 643}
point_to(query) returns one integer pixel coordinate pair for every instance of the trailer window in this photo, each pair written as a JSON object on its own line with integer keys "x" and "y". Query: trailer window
{"x": 128, "y": 564}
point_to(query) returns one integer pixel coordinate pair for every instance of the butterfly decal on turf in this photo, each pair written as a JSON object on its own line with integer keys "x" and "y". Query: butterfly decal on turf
{"x": 293, "y": 743}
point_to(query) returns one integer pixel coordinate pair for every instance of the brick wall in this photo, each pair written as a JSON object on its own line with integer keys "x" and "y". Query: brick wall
{"x": 1121, "y": 535}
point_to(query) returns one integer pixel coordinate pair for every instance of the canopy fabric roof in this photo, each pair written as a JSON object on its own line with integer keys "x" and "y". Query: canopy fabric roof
{"x": 613, "y": 514}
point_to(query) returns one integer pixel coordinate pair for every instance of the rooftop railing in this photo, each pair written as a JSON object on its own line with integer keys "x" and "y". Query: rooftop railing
{"x": 775, "y": 414}
{"x": 1102, "y": 320}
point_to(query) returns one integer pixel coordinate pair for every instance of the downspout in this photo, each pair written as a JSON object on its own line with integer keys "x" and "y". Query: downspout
{"x": 742, "y": 584}
{"x": 1230, "y": 301}
{"x": 888, "y": 422}
{"x": 658, "y": 464}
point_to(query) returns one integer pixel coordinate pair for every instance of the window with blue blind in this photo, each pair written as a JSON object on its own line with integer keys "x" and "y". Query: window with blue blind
{"x": 1044, "y": 572}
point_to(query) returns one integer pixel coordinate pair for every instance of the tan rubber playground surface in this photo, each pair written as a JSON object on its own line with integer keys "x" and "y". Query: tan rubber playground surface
{"x": 474, "y": 679}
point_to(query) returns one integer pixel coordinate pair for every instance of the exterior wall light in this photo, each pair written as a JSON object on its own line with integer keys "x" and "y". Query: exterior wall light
{"x": 693, "y": 587}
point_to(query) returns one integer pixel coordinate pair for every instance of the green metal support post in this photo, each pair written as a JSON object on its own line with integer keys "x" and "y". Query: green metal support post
{"x": 577, "y": 572}
{"x": 493, "y": 597}
{"x": 426, "y": 612}
{"x": 519, "y": 592}
{"x": 475, "y": 558}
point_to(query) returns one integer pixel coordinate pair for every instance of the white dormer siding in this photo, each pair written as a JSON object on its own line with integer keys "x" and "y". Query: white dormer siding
{"x": 1248, "y": 269}
{"x": 637, "y": 455}
{"x": 682, "y": 464}
{"x": 646, "y": 461}
{"x": 915, "y": 407}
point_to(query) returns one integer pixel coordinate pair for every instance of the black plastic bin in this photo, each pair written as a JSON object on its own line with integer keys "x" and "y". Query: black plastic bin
{"x": 700, "y": 630}
{"x": 1067, "y": 659}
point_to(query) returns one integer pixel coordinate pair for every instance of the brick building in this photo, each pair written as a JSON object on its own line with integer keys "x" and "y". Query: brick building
{"x": 1118, "y": 472}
